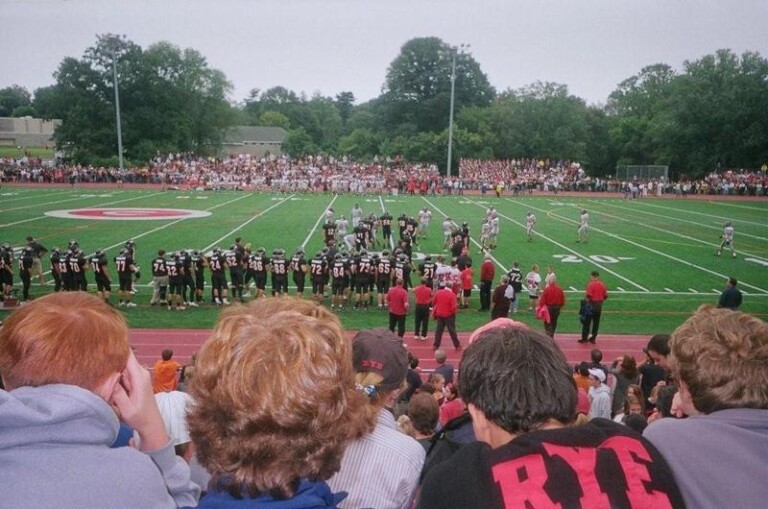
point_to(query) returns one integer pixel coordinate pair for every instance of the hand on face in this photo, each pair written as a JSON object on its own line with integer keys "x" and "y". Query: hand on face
{"x": 135, "y": 403}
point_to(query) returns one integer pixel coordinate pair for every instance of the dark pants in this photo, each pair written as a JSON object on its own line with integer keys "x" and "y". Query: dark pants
{"x": 26, "y": 280}
{"x": 594, "y": 322}
{"x": 442, "y": 323}
{"x": 551, "y": 327}
{"x": 399, "y": 321}
{"x": 485, "y": 295}
{"x": 422, "y": 320}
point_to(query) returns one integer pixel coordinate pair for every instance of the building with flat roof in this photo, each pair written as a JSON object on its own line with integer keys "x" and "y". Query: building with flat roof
{"x": 27, "y": 132}
{"x": 255, "y": 140}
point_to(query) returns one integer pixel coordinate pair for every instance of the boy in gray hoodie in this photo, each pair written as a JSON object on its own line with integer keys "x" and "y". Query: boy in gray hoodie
{"x": 69, "y": 373}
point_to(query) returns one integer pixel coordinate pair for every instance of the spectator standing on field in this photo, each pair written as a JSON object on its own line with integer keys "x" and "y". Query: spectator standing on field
{"x": 731, "y": 296}
{"x": 397, "y": 303}
{"x": 423, "y": 294}
{"x": 554, "y": 298}
{"x": 596, "y": 294}
{"x": 38, "y": 251}
{"x": 487, "y": 273}
{"x": 444, "y": 310}
{"x": 503, "y": 296}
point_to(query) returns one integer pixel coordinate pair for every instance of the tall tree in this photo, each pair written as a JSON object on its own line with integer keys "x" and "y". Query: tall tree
{"x": 170, "y": 101}
{"x": 13, "y": 97}
{"x": 418, "y": 84}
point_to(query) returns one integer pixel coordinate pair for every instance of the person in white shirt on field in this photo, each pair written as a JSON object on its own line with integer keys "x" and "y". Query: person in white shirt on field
{"x": 494, "y": 233}
{"x": 447, "y": 232}
{"x": 530, "y": 222}
{"x": 727, "y": 240}
{"x": 342, "y": 227}
{"x": 425, "y": 215}
{"x": 357, "y": 215}
{"x": 582, "y": 234}
{"x": 485, "y": 234}
{"x": 533, "y": 285}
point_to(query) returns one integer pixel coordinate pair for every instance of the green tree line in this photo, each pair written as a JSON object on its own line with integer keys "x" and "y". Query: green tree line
{"x": 711, "y": 113}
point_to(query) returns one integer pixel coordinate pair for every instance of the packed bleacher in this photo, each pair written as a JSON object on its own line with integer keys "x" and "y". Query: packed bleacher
{"x": 329, "y": 174}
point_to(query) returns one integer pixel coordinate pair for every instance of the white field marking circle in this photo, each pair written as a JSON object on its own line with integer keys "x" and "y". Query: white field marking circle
{"x": 128, "y": 214}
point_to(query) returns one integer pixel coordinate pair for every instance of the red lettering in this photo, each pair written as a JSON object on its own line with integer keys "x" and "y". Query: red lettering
{"x": 515, "y": 491}
{"x": 583, "y": 461}
{"x": 633, "y": 459}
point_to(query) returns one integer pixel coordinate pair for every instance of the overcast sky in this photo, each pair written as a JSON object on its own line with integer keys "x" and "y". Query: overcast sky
{"x": 329, "y": 46}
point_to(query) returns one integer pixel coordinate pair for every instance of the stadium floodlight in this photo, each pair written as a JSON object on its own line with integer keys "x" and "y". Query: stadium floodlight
{"x": 117, "y": 114}
{"x": 455, "y": 50}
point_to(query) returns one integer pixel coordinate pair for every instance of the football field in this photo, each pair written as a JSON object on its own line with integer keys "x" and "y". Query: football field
{"x": 656, "y": 256}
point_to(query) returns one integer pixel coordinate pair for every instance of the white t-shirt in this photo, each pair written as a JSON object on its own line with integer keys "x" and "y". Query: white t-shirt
{"x": 533, "y": 283}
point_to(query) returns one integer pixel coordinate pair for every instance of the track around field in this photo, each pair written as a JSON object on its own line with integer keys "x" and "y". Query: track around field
{"x": 150, "y": 342}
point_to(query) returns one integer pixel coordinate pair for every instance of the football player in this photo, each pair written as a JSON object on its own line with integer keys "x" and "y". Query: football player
{"x": 101, "y": 274}
{"x": 299, "y": 270}
{"x": 279, "y": 267}
{"x": 125, "y": 268}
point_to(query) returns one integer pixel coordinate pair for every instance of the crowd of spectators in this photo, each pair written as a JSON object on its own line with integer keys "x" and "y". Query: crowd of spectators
{"x": 281, "y": 409}
{"x": 341, "y": 175}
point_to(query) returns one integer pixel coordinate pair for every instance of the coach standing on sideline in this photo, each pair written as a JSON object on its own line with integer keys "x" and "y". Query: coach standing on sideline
{"x": 554, "y": 298}
{"x": 423, "y": 294}
{"x": 38, "y": 251}
{"x": 397, "y": 301}
{"x": 444, "y": 310}
{"x": 595, "y": 295}
{"x": 487, "y": 272}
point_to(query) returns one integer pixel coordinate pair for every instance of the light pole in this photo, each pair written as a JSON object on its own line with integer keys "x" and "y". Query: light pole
{"x": 454, "y": 53}
{"x": 117, "y": 114}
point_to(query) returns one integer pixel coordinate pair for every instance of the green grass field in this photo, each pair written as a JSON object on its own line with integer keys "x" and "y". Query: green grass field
{"x": 655, "y": 256}
{"x": 15, "y": 152}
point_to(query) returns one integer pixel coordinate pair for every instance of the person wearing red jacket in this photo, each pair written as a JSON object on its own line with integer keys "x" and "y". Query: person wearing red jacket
{"x": 554, "y": 298}
{"x": 487, "y": 273}
{"x": 397, "y": 302}
{"x": 595, "y": 296}
{"x": 423, "y": 294}
{"x": 444, "y": 311}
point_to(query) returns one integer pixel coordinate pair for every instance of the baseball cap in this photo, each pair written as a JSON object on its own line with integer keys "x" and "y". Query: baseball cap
{"x": 597, "y": 373}
{"x": 380, "y": 351}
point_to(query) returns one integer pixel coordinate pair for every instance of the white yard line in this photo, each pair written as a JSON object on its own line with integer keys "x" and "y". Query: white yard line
{"x": 657, "y": 252}
{"x": 729, "y": 204}
{"x": 255, "y": 217}
{"x": 12, "y": 197}
{"x": 317, "y": 223}
{"x": 713, "y": 216}
{"x": 56, "y": 202}
{"x": 710, "y": 227}
{"x": 384, "y": 209}
{"x": 563, "y": 246}
{"x": 87, "y": 207}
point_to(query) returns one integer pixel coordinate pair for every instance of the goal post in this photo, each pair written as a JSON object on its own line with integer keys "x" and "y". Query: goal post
{"x": 628, "y": 172}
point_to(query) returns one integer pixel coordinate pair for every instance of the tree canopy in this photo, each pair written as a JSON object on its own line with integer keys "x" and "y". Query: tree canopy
{"x": 710, "y": 113}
